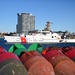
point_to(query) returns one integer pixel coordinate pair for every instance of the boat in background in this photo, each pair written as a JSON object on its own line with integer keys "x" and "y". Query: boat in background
{"x": 15, "y": 39}
{"x": 39, "y": 37}
{"x": 43, "y": 36}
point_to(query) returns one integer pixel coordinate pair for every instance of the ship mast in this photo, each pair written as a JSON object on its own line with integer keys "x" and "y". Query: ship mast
{"x": 48, "y": 26}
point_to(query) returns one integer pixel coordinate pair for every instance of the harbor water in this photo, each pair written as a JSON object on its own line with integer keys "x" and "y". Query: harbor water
{"x": 6, "y": 45}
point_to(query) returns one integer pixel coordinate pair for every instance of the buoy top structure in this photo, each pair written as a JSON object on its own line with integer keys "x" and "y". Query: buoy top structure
{"x": 17, "y": 49}
{"x": 16, "y": 46}
{"x": 36, "y": 46}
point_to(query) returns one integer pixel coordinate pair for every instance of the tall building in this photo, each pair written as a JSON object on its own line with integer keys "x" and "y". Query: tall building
{"x": 26, "y": 22}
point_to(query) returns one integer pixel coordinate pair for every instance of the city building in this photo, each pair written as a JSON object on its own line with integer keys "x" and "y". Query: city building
{"x": 26, "y": 22}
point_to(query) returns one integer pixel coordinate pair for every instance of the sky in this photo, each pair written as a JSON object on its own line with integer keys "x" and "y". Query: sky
{"x": 61, "y": 13}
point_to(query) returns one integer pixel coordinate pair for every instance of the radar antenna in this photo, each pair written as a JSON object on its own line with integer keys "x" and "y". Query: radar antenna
{"x": 48, "y": 25}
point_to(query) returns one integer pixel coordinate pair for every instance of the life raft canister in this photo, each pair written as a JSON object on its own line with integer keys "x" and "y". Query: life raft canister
{"x": 23, "y": 39}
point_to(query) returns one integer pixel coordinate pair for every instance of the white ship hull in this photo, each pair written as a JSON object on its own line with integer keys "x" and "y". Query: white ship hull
{"x": 68, "y": 40}
{"x": 12, "y": 39}
{"x": 31, "y": 39}
{"x": 38, "y": 38}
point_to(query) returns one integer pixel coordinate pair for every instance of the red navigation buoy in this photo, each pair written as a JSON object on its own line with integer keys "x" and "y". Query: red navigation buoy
{"x": 36, "y": 64}
{"x": 65, "y": 67}
{"x": 51, "y": 53}
{"x": 71, "y": 54}
{"x": 26, "y": 55}
{"x": 41, "y": 68}
{"x": 8, "y": 55}
{"x": 61, "y": 63}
